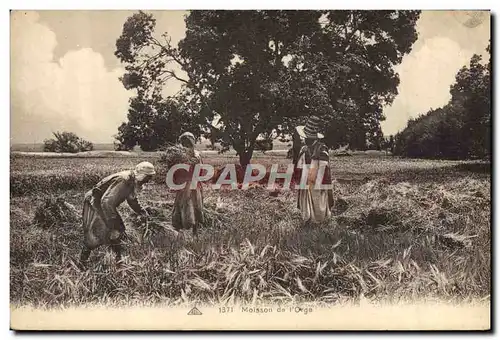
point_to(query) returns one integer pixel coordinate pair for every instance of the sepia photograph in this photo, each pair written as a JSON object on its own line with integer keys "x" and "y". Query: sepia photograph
{"x": 250, "y": 169}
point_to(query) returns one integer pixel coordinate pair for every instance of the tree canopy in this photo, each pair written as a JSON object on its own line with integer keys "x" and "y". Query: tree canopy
{"x": 260, "y": 73}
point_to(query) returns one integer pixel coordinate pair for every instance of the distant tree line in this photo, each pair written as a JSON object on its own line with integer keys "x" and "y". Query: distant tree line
{"x": 459, "y": 130}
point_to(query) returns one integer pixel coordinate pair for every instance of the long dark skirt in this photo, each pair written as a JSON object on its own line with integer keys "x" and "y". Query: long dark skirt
{"x": 188, "y": 209}
{"x": 96, "y": 230}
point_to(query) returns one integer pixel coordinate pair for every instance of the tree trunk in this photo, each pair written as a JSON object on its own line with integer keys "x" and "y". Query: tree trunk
{"x": 245, "y": 157}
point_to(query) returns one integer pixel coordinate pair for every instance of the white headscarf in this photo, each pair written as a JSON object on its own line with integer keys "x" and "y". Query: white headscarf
{"x": 189, "y": 137}
{"x": 143, "y": 169}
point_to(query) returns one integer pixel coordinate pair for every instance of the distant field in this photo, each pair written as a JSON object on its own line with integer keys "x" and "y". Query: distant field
{"x": 401, "y": 230}
{"x": 38, "y": 147}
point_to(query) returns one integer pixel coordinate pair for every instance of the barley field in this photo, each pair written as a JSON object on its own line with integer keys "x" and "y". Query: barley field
{"x": 401, "y": 230}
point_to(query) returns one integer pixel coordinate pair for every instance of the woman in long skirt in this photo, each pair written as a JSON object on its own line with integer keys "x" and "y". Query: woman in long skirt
{"x": 188, "y": 203}
{"x": 102, "y": 224}
{"x": 314, "y": 203}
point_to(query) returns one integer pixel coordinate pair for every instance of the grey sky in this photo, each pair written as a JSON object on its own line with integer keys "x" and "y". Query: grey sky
{"x": 64, "y": 75}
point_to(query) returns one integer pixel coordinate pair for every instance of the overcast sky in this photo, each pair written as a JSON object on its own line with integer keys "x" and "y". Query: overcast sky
{"x": 64, "y": 75}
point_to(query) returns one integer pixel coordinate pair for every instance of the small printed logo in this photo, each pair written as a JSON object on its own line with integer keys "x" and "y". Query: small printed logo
{"x": 195, "y": 311}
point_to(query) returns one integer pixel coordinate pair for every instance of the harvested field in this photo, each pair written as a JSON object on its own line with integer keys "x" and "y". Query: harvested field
{"x": 401, "y": 230}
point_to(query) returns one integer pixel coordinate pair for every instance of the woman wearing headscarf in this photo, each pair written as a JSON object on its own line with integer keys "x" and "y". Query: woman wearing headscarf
{"x": 188, "y": 204}
{"x": 102, "y": 224}
{"x": 314, "y": 203}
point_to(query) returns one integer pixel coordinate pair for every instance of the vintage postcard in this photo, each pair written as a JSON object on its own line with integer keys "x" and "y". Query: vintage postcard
{"x": 250, "y": 170}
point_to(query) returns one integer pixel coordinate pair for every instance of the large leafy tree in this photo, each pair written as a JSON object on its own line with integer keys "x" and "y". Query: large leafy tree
{"x": 366, "y": 46}
{"x": 154, "y": 123}
{"x": 259, "y": 73}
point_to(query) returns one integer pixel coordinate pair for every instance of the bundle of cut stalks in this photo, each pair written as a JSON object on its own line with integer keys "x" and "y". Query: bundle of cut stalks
{"x": 54, "y": 210}
{"x": 157, "y": 229}
{"x": 177, "y": 154}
